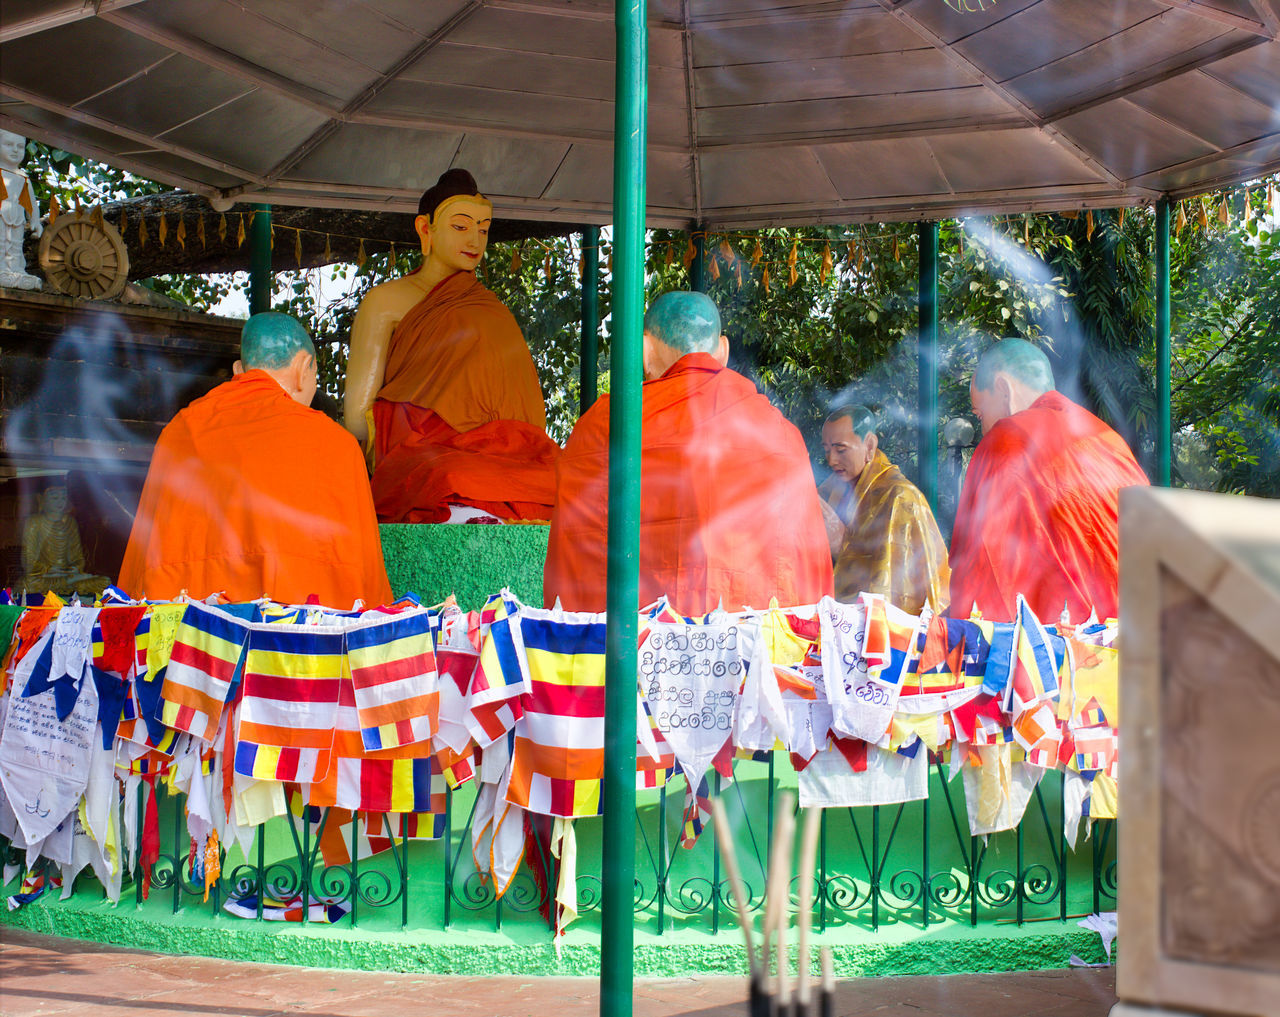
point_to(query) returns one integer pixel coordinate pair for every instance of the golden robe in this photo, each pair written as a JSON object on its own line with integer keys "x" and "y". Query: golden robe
{"x": 893, "y": 546}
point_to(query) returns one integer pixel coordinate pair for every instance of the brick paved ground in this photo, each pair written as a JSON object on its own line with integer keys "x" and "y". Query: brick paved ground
{"x": 42, "y": 976}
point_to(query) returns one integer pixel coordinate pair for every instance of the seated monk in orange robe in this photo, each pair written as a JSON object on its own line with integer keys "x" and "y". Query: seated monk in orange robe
{"x": 250, "y": 492}
{"x": 729, "y": 511}
{"x": 1039, "y": 512}
{"x": 441, "y": 387}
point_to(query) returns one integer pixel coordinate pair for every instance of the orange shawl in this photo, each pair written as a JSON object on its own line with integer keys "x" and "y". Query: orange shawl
{"x": 251, "y": 493}
{"x": 1039, "y": 515}
{"x": 728, "y": 508}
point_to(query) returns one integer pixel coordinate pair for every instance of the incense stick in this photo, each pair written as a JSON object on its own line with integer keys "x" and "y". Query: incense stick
{"x": 828, "y": 985}
{"x": 808, "y": 859}
{"x": 729, "y": 856}
{"x": 784, "y": 832}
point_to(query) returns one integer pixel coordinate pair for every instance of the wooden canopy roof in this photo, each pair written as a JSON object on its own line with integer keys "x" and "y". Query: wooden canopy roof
{"x": 761, "y": 111}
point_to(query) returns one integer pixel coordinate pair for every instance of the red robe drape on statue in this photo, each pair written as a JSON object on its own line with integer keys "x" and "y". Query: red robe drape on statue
{"x": 1039, "y": 515}
{"x": 252, "y": 493}
{"x": 460, "y": 417}
{"x": 728, "y": 510}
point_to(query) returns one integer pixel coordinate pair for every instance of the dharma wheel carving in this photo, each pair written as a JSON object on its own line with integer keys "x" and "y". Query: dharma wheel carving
{"x": 83, "y": 256}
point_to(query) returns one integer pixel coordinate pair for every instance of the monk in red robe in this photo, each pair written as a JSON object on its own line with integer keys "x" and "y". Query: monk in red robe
{"x": 251, "y": 492}
{"x": 1039, "y": 512}
{"x": 729, "y": 512}
{"x": 441, "y": 387}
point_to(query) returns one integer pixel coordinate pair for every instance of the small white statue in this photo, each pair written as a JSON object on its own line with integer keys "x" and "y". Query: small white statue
{"x": 18, "y": 208}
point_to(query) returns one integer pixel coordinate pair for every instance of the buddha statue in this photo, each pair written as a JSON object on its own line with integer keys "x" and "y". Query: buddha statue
{"x": 52, "y": 556}
{"x": 18, "y": 208}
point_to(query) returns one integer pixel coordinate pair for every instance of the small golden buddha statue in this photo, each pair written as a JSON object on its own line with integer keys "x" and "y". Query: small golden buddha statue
{"x": 52, "y": 555}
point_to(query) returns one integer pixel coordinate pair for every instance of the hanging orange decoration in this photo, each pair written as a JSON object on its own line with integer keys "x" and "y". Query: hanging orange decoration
{"x": 1088, "y": 225}
{"x": 825, "y": 270}
{"x": 200, "y": 232}
{"x": 546, "y": 265}
{"x": 1271, "y": 194}
{"x": 897, "y": 252}
{"x": 1070, "y": 213}
{"x": 727, "y": 252}
{"x": 516, "y": 262}
{"x": 1026, "y": 230}
{"x": 793, "y": 276}
{"x": 124, "y": 221}
{"x": 849, "y": 255}
{"x": 240, "y": 234}
{"x": 162, "y": 232}
{"x": 791, "y": 258}
{"x": 862, "y": 256}
{"x": 1203, "y": 215}
{"x": 671, "y": 254}
{"x": 253, "y": 214}
{"x": 391, "y": 253}
{"x": 1224, "y": 212}
{"x": 142, "y": 231}
{"x": 328, "y": 251}
{"x": 361, "y": 257}
{"x": 55, "y": 209}
{"x": 297, "y": 247}
{"x": 713, "y": 269}
{"x": 608, "y": 262}
{"x": 1180, "y": 220}
{"x": 757, "y": 253}
{"x": 1120, "y": 219}
{"x": 690, "y": 252}
{"x": 222, "y": 227}
{"x": 180, "y": 234}
{"x": 582, "y": 265}
{"x": 764, "y": 278}
{"x": 96, "y": 217}
{"x": 737, "y": 268}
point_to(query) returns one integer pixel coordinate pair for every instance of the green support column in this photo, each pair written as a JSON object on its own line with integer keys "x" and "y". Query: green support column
{"x": 617, "y": 922}
{"x": 698, "y": 270}
{"x": 927, "y": 365}
{"x": 260, "y": 276}
{"x": 1164, "y": 416}
{"x": 587, "y": 387}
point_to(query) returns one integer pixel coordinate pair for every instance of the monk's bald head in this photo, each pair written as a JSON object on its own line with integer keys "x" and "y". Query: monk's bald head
{"x": 679, "y": 323}
{"x": 1010, "y": 376}
{"x": 861, "y": 420}
{"x": 686, "y": 321}
{"x": 270, "y": 340}
{"x": 1018, "y": 358}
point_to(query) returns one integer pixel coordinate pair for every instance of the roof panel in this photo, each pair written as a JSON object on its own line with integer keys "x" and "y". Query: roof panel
{"x": 255, "y": 131}
{"x": 508, "y": 166}
{"x": 101, "y": 54}
{"x": 835, "y": 32}
{"x": 1252, "y": 72}
{"x": 175, "y": 92}
{"x": 560, "y": 33}
{"x": 878, "y": 169}
{"x": 917, "y": 70}
{"x": 1129, "y": 140}
{"x": 380, "y": 157}
{"x": 998, "y": 161}
{"x": 764, "y": 178}
{"x": 1209, "y": 109}
{"x": 1008, "y": 49}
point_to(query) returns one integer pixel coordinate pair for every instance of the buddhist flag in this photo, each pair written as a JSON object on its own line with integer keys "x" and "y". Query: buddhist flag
{"x": 393, "y": 668}
{"x": 208, "y": 647}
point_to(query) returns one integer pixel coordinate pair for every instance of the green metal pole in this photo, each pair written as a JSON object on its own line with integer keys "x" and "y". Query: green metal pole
{"x": 927, "y": 365}
{"x": 698, "y": 270}
{"x": 260, "y": 278}
{"x": 1164, "y": 415}
{"x": 590, "y": 318}
{"x": 617, "y": 931}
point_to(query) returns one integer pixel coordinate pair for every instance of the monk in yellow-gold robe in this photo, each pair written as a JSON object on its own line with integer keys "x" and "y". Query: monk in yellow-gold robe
{"x": 892, "y": 546}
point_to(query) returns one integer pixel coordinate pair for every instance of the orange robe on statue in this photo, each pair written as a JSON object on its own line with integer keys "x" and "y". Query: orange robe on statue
{"x": 1039, "y": 515}
{"x": 252, "y": 493}
{"x": 460, "y": 418}
{"x": 728, "y": 508}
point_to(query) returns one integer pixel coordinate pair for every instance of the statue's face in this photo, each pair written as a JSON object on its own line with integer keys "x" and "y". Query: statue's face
{"x": 12, "y": 148}
{"x": 460, "y": 234}
{"x": 55, "y": 501}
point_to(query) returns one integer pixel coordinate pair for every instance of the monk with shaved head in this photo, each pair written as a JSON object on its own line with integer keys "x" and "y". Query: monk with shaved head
{"x": 728, "y": 510}
{"x": 252, "y": 493}
{"x": 1039, "y": 512}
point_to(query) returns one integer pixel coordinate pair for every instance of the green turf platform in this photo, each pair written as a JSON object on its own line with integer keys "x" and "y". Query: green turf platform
{"x": 470, "y": 561}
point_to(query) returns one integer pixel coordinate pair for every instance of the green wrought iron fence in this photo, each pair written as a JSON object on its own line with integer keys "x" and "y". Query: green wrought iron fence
{"x": 914, "y": 863}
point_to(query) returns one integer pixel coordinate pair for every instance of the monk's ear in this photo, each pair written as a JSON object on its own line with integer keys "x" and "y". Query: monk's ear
{"x": 722, "y": 352}
{"x": 237, "y": 367}
{"x": 1003, "y": 388}
{"x": 871, "y": 443}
